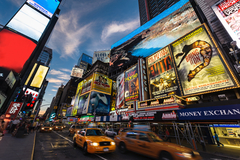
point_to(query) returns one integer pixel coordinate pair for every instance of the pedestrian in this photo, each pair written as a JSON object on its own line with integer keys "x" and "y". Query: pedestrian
{"x": 217, "y": 140}
{"x": 167, "y": 135}
{"x": 3, "y": 125}
{"x": 14, "y": 124}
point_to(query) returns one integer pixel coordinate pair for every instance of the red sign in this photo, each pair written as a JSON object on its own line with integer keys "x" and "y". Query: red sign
{"x": 13, "y": 109}
{"x": 227, "y": 3}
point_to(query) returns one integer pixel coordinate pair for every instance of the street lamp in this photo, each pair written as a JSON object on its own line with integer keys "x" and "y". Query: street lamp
{"x": 233, "y": 44}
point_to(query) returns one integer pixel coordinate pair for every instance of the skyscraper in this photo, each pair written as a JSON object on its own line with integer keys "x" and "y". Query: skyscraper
{"x": 45, "y": 56}
{"x": 149, "y": 9}
{"x": 84, "y": 62}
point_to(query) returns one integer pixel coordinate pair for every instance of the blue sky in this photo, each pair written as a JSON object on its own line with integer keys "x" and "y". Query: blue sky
{"x": 84, "y": 26}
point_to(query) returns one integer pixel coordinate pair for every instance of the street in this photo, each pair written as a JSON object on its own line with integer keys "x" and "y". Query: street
{"x": 58, "y": 145}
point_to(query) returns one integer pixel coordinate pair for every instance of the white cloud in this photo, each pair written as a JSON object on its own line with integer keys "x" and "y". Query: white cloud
{"x": 64, "y": 76}
{"x": 17, "y": 2}
{"x": 50, "y": 94}
{"x": 118, "y": 27}
{"x": 56, "y": 86}
{"x": 54, "y": 90}
{"x": 55, "y": 72}
{"x": 65, "y": 70}
{"x": 54, "y": 80}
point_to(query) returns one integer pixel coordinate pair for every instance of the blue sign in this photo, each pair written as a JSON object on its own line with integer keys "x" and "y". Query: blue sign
{"x": 210, "y": 113}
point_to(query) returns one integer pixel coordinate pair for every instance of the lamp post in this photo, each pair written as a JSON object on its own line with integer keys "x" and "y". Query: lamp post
{"x": 233, "y": 44}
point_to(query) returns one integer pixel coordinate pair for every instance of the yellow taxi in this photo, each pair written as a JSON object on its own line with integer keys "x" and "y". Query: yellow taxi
{"x": 146, "y": 142}
{"x": 74, "y": 129}
{"x": 58, "y": 127}
{"x": 46, "y": 128}
{"x": 93, "y": 140}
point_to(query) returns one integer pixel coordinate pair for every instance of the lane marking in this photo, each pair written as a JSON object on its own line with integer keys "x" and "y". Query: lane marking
{"x": 63, "y": 137}
{"x": 52, "y": 145}
{"x": 34, "y": 143}
{"x": 100, "y": 157}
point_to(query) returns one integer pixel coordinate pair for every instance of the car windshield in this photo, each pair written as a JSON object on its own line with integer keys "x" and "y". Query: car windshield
{"x": 58, "y": 124}
{"x": 47, "y": 125}
{"x": 79, "y": 127}
{"x": 94, "y": 132}
{"x": 154, "y": 137}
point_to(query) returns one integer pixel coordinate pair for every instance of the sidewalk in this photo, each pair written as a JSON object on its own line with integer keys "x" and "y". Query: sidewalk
{"x": 12, "y": 148}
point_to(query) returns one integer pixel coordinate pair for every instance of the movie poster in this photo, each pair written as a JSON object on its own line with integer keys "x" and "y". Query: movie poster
{"x": 86, "y": 85}
{"x": 198, "y": 63}
{"x": 165, "y": 28}
{"x": 120, "y": 91}
{"x": 76, "y": 98}
{"x": 102, "y": 83}
{"x": 83, "y": 104}
{"x": 99, "y": 103}
{"x": 113, "y": 96}
{"x": 131, "y": 84}
{"x": 162, "y": 76}
{"x": 69, "y": 111}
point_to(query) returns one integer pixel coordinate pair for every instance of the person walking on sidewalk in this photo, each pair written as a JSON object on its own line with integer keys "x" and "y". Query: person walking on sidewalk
{"x": 14, "y": 124}
{"x": 3, "y": 125}
{"x": 167, "y": 134}
{"x": 217, "y": 140}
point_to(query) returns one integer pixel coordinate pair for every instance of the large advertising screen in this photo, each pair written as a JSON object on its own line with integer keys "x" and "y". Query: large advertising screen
{"x": 39, "y": 76}
{"x": 228, "y": 12}
{"x": 101, "y": 55}
{"x": 15, "y": 50}
{"x": 29, "y": 22}
{"x": 2, "y": 99}
{"x": 86, "y": 84}
{"x": 47, "y": 7}
{"x": 77, "y": 72}
{"x": 120, "y": 91}
{"x": 131, "y": 84}
{"x": 102, "y": 83}
{"x": 83, "y": 104}
{"x": 99, "y": 103}
{"x": 69, "y": 112}
{"x": 162, "y": 30}
{"x": 10, "y": 80}
{"x": 162, "y": 77}
{"x": 198, "y": 63}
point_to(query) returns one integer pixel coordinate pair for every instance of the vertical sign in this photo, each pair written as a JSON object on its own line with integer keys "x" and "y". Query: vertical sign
{"x": 120, "y": 91}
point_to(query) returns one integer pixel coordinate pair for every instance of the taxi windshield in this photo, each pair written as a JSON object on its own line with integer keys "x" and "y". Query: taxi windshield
{"x": 79, "y": 127}
{"x": 94, "y": 132}
{"x": 47, "y": 125}
{"x": 154, "y": 137}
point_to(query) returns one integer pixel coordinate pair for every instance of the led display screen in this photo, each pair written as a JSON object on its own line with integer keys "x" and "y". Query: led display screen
{"x": 47, "y": 7}
{"x": 15, "y": 50}
{"x": 102, "y": 83}
{"x": 162, "y": 30}
{"x": 39, "y": 76}
{"x": 30, "y": 75}
{"x": 82, "y": 104}
{"x": 228, "y": 12}
{"x": 162, "y": 77}
{"x": 29, "y": 22}
{"x": 120, "y": 91}
{"x": 198, "y": 63}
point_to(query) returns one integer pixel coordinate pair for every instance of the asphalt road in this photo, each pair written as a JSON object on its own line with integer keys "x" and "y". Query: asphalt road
{"x": 59, "y": 146}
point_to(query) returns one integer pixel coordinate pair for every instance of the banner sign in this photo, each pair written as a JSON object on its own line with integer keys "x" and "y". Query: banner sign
{"x": 143, "y": 115}
{"x": 102, "y": 83}
{"x": 131, "y": 84}
{"x": 199, "y": 65}
{"x": 162, "y": 76}
{"x": 101, "y": 55}
{"x": 210, "y": 113}
{"x": 77, "y": 72}
{"x": 83, "y": 104}
{"x": 120, "y": 91}
{"x": 13, "y": 109}
{"x": 10, "y": 80}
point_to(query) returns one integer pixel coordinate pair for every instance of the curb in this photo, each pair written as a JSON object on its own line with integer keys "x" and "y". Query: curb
{"x": 33, "y": 145}
{"x": 222, "y": 155}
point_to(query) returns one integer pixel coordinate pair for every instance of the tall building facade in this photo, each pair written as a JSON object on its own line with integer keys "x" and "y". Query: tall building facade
{"x": 45, "y": 56}
{"x": 149, "y": 9}
{"x": 84, "y": 62}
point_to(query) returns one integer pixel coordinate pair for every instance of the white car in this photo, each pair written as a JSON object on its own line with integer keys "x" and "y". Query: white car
{"x": 111, "y": 132}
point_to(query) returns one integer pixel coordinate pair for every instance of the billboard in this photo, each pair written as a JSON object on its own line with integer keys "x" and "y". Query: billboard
{"x": 198, "y": 63}
{"x": 10, "y": 80}
{"x": 15, "y": 50}
{"x": 77, "y": 72}
{"x": 162, "y": 77}
{"x": 99, "y": 103}
{"x": 30, "y": 75}
{"x": 3, "y": 97}
{"x": 69, "y": 111}
{"x": 120, "y": 91}
{"x": 228, "y": 12}
{"x": 47, "y": 7}
{"x": 131, "y": 86}
{"x": 102, "y": 83}
{"x": 83, "y": 104}
{"x": 101, "y": 55}
{"x": 113, "y": 95}
{"x": 162, "y": 30}
{"x": 29, "y": 22}
{"x": 39, "y": 76}
{"x": 86, "y": 84}
{"x": 13, "y": 109}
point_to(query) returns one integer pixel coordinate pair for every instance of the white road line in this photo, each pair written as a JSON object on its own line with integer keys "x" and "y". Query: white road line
{"x": 100, "y": 157}
{"x": 52, "y": 145}
{"x": 63, "y": 137}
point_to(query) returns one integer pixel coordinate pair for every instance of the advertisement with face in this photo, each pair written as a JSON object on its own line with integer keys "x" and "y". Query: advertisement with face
{"x": 228, "y": 12}
{"x": 120, "y": 91}
{"x": 83, "y": 104}
{"x": 131, "y": 84}
{"x": 157, "y": 33}
{"x": 198, "y": 63}
{"x": 2, "y": 99}
{"x": 39, "y": 76}
{"x": 86, "y": 84}
{"x": 99, "y": 103}
{"x": 102, "y": 83}
{"x": 76, "y": 98}
{"x": 162, "y": 76}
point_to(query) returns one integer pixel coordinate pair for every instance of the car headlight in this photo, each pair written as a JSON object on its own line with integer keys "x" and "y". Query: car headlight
{"x": 62, "y": 127}
{"x": 185, "y": 155}
{"x": 93, "y": 143}
{"x": 113, "y": 143}
{"x": 42, "y": 128}
{"x": 50, "y": 128}
{"x": 195, "y": 153}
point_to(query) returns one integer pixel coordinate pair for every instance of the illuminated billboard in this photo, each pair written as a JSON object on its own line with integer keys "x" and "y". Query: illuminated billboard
{"x": 101, "y": 56}
{"x": 39, "y": 76}
{"x": 29, "y": 22}
{"x": 99, "y": 103}
{"x": 102, "y": 83}
{"x": 30, "y": 75}
{"x": 2, "y": 99}
{"x": 77, "y": 72}
{"x": 228, "y": 12}
{"x": 15, "y": 50}
{"x": 198, "y": 63}
{"x": 120, "y": 91}
{"x": 157, "y": 33}
{"x": 83, "y": 104}
{"x": 47, "y": 7}
{"x": 10, "y": 80}
{"x": 131, "y": 84}
{"x": 69, "y": 111}
{"x": 86, "y": 84}
{"x": 162, "y": 77}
